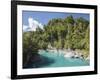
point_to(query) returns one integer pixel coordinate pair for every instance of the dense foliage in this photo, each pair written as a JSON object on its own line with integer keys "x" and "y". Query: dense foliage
{"x": 67, "y": 33}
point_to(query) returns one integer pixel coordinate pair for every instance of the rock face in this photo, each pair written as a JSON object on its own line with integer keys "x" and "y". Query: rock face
{"x": 73, "y": 54}
{"x": 88, "y": 58}
{"x": 69, "y": 54}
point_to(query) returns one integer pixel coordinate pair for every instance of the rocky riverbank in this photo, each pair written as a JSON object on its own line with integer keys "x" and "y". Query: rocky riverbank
{"x": 69, "y": 53}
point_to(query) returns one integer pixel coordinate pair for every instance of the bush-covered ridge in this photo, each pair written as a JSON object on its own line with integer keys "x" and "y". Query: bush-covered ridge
{"x": 68, "y": 33}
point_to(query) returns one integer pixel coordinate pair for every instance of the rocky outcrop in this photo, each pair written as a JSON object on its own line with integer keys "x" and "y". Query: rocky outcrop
{"x": 69, "y": 54}
{"x": 88, "y": 58}
{"x": 73, "y": 54}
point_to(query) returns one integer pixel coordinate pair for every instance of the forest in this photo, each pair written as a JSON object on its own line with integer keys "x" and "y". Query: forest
{"x": 60, "y": 33}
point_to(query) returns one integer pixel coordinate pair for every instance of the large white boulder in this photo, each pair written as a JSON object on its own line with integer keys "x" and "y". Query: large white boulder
{"x": 88, "y": 58}
{"x": 69, "y": 54}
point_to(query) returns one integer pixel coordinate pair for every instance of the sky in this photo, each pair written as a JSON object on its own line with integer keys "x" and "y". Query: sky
{"x": 30, "y": 19}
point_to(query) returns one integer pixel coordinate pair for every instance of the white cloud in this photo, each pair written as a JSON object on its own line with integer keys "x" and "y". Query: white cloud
{"x": 25, "y": 28}
{"x": 32, "y": 25}
{"x": 41, "y": 26}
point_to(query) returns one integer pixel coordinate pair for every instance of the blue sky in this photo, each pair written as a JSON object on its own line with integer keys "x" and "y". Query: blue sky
{"x": 44, "y": 17}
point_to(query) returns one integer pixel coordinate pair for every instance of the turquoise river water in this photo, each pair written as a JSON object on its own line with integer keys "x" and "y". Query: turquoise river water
{"x": 50, "y": 59}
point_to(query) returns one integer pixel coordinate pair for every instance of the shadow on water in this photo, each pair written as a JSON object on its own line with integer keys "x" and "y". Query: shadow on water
{"x": 41, "y": 62}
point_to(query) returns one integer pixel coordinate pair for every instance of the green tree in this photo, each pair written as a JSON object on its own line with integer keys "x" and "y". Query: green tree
{"x": 30, "y": 46}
